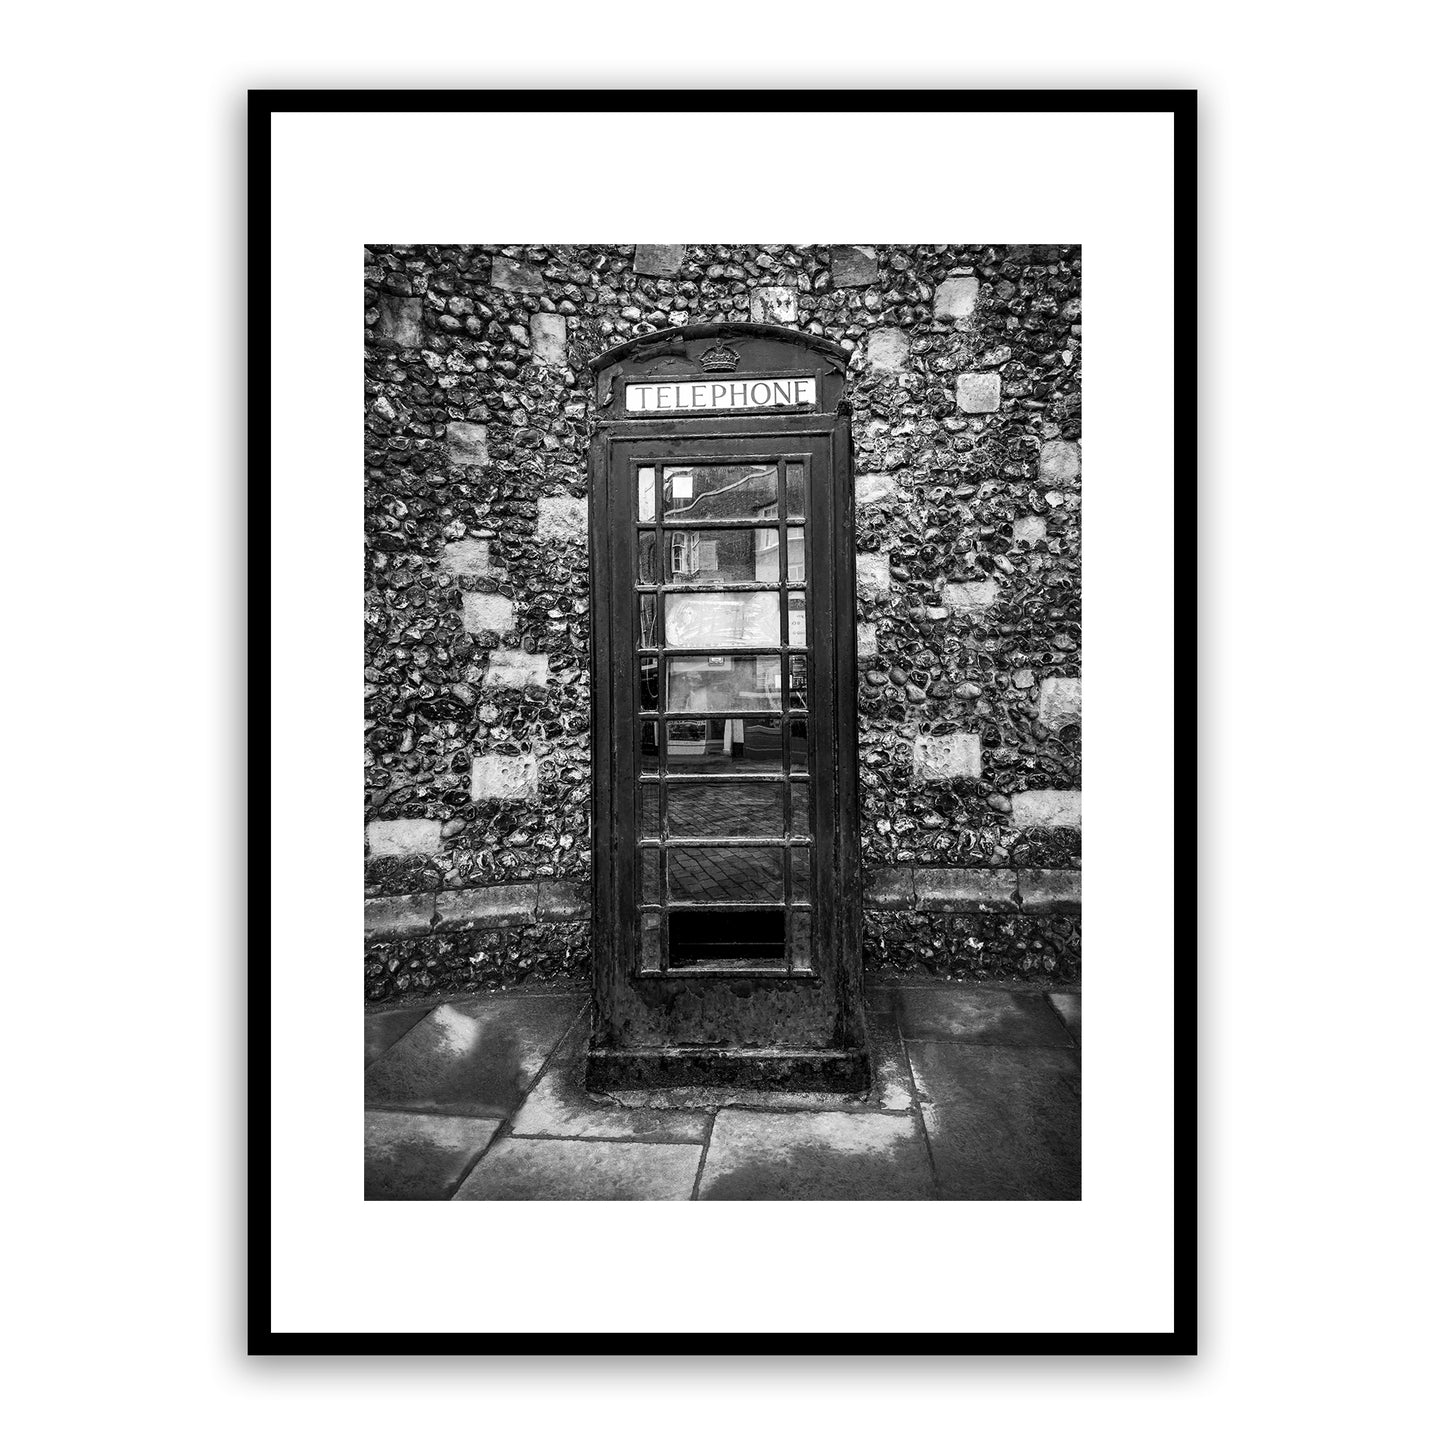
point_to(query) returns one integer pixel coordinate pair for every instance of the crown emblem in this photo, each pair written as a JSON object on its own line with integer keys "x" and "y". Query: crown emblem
{"x": 720, "y": 358}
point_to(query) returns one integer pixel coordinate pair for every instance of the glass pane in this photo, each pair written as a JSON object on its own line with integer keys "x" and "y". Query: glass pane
{"x": 648, "y": 746}
{"x": 802, "y": 817}
{"x": 725, "y": 810}
{"x": 798, "y": 744}
{"x": 798, "y": 684}
{"x": 722, "y": 554}
{"x": 725, "y": 875}
{"x": 647, "y": 556}
{"x": 649, "y": 865}
{"x": 725, "y": 745}
{"x": 795, "y": 490}
{"x": 647, "y": 620}
{"x": 797, "y": 620}
{"x": 720, "y": 494}
{"x": 802, "y": 874}
{"x": 649, "y": 946}
{"x": 647, "y": 680}
{"x": 726, "y": 940}
{"x": 646, "y": 494}
{"x": 725, "y": 684}
{"x": 797, "y": 561}
{"x": 647, "y": 822}
{"x": 722, "y": 619}
{"x": 800, "y": 945}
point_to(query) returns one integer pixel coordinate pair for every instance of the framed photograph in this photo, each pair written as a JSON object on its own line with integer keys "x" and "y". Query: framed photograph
{"x": 674, "y": 583}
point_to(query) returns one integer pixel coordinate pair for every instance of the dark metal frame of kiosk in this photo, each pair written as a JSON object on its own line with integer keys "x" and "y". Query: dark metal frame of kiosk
{"x": 763, "y": 1027}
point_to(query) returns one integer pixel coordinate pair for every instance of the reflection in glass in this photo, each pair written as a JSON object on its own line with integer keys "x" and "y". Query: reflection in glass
{"x": 647, "y": 620}
{"x": 650, "y": 860}
{"x": 797, "y": 620}
{"x": 800, "y": 945}
{"x": 725, "y": 684}
{"x": 802, "y": 817}
{"x": 722, "y": 554}
{"x": 725, "y": 746}
{"x": 725, "y": 810}
{"x": 725, "y": 875}
{"x": 802, "y": 861}
{"x": 797, "y": 560}
{"x": 649, "y": 946}
{"x": 795, "y": 490}
{"x": 648, "y": 812}
{"x": 648, "y": 747}
{"x": 646, "y": 494}
{"x": 719, "y": 494}
{"x": 798, "y": 744}
{"x": 648, "y": 677}
{"x": 722, "y": 619}
{"x": 647, "y": 556}
{"x": 732, "y": 939}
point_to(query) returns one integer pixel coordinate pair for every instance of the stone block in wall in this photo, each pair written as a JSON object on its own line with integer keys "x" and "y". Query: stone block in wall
{"x": 505, "y": 776}
{"x": 471, "y": 557}
{"x": 776, "y": 305}
{"x": 403, "y": 915}
{"x": 509, "y": 275}
{"x": 978, "y": 391}
{"x": 854, "y": 265}
{"x": 970, "y": 596}
{"x": 400, "y": 319}
{"x": 509, "y": 668}
{"x": 488, "y": 612}
{"x": 873, "y": 575}
{"x": 955, "y": 298}
{"x": 559, "y": 899}
{"x": 549, "y": 338}
{"x": 658, "y": 260}
{"x": 965, "y": 890}
{"x": 867, "y": 639}
{"x": 939, "y": 756}
{"x": 1051, "y": 890}
{"x": 562, "y": 519}
{"x": 466, "y": 443}
{"x": 873, "y": 487}
{"x": 887, "y": 349}
{"x": 1030, "y": 529}
{"x": 1048, "y": 808}
{"x": 504, "y": 905}
{"x": 1058, "y": 461}
{"x": 397, "y": 837}
{"x": 890, "y": 888}
{"x": 1061, "y": 701}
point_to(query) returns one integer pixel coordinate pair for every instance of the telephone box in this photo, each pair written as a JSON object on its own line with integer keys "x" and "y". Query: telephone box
{"x": 726, "y": 875}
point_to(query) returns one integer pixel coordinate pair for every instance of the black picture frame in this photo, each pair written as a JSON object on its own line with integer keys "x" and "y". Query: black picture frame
{"x": 1182, "y": 1339}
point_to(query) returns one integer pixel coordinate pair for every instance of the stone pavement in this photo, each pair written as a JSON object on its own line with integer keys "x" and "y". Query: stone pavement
{"x": 975, "y": 1096}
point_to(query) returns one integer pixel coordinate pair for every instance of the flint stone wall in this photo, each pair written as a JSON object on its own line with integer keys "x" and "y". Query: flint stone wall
{"x": 477, "y": 415}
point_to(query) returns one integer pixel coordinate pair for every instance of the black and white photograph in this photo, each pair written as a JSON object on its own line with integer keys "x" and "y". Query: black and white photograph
{"x": 723, "y": 682}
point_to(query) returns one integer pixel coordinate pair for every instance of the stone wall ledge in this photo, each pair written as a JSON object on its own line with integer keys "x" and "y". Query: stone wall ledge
{"x": 895, "y": 890}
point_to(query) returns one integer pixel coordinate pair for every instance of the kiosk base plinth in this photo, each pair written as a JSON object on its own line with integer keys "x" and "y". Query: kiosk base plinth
{"x": 833, "y": 1071}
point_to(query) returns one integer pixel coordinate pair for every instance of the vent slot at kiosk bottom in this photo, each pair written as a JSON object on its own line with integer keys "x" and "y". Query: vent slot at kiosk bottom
{"x": 728, "y": 938}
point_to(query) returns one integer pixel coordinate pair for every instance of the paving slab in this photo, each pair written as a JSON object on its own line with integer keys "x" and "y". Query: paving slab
{"x": 384, "y": 1029}
{"x": 1003, "y": 1123}
{"x": 476, "y": 1057}
{"x": 976, "y": 1016}
{"x": 560, "y": 1107}
{"x": 583, "y": 1169}
{"x": 421, "y": 1156}
{"x": 756, "y": 1155}
{"x": 1070, "y": 1007}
